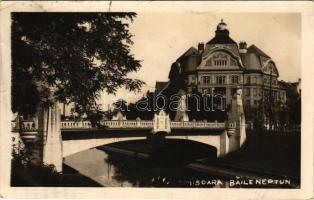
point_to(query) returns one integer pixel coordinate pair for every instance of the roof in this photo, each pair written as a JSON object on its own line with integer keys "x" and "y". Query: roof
{"x": 254, "y": 49}
{"x": 254, "y": 58}
{"x": 190, "y": 60}
{"x": 293, "y": 86}
{"x": 160, "y": 86}
{"x": 252, "y": 62}
{"x": 283, "y": 83}
{"x": 221, "y": 40}
{"x": 222, "y": 37}
{"x": 191, "y": 51}
{"x": 290, "y": 88}
{"x": 191, "y": 63}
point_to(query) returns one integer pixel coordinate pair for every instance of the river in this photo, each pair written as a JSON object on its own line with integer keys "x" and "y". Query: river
{"x": 115, "y": 170}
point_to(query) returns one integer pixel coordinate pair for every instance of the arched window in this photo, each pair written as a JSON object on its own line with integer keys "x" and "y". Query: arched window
{"x": 206, "y": 80}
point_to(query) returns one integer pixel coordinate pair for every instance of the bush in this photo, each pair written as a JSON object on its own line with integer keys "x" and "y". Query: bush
{"x": 24, "y": 173}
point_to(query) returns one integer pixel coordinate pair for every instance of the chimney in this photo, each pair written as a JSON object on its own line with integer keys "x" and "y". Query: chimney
{"x": 242, "y": 47}
{"x": 200, "y": 47}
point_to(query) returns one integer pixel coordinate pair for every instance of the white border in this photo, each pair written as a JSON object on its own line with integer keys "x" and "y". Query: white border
{"x": 305, "y": 8}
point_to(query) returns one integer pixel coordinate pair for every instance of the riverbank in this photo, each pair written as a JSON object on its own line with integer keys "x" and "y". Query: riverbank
{"x": 44, "y": 176}
{"x": 271, "y": 154}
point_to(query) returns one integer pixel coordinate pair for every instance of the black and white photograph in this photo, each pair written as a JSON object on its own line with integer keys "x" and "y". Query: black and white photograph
{"x": 126, "y": 98}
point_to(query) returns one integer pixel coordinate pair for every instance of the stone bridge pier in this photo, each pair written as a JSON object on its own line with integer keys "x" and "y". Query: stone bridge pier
{"x": 47, "y": 148}
{"x": 236, "y": 123}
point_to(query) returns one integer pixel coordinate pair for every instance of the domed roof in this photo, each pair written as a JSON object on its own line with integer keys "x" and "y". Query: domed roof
{"x": 222, "y": 35}
{"x": 222, "y": 26}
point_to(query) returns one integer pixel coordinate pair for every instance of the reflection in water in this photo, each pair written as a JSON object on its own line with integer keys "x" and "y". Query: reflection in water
{"x": 93, "y": 164}
{"x": 111, "y": 169}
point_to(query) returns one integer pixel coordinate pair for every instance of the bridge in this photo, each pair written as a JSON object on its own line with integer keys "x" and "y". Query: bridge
{"x": 153, "y": 126}
{"x": 46, "y": 132}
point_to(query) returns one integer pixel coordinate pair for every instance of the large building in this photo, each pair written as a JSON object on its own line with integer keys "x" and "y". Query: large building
{"x": 222, "y": 65}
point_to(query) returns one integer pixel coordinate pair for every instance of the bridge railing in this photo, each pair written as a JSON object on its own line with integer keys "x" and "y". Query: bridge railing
{"x": 24, "y": 126}
{"x": 139, "y": 124}
{"x": 75, "y": 124}
{"x": 147, "y": 123}
{"x": 128, "y": 124}
{"x": 197, "y": 125}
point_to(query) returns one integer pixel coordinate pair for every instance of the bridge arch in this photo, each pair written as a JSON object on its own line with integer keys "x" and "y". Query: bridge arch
{"x": 74, "y": 146}
{"x": 220, "y": 142}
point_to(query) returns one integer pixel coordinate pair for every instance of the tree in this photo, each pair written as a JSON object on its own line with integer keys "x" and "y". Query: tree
{"x": 70, "y": 57}
{"x": 120, "y": 106}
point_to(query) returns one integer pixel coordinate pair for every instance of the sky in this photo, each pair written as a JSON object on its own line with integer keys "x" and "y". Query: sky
{"x": 160, "y": 38}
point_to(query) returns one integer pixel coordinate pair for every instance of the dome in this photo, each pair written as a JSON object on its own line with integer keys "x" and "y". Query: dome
{"x": 222, "y": 26}
{"x": 222, "y": 35}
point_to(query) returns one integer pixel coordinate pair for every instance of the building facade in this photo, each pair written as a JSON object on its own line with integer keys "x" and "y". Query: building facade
{"x": 222, "y": 65}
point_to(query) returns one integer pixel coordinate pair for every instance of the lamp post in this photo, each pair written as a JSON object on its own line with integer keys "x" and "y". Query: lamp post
{"x": 270, "y": 100}
{"x": 213, "y": 89}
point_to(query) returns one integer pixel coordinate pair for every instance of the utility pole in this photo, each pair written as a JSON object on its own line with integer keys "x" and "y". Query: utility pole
{"x": 270, "y": 99}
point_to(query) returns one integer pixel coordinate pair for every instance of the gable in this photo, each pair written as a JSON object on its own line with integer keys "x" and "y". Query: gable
{"x": 270, "y": 68}
{"x": 220, "y": 60}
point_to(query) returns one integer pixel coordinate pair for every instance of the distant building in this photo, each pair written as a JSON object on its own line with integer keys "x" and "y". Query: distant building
{"x": 294, "y": 87}
{"x": 221, "y": 66}
{"x": 293, "y": 90}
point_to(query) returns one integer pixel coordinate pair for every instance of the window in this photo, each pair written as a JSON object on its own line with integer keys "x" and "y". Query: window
{"x": 234, "y": 79}
{"x": 220, "y": 62}
{"x": 248, "y": 80}
{"x": 270, "y": 69}
{"x": 220, "y": 59}
{"x": 247, "y": 102}
{"x": 220, "y": 79}
{"x": 206, "y": 91}
{"x": 274, "y": 82}
{"x": 254, "y": 79}
{"x": 247, "y": 92}
{"x": 255, "y": 103}
{"x": 259, "y": 92}
{"x": 282, "y": 95}
{"x": 206, "y": 80}
{"x": 254, "y": 92}
{"x": 265, "y": 80}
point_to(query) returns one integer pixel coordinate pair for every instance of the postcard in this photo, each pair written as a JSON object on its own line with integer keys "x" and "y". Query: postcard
{"x": 168, "y": 100}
